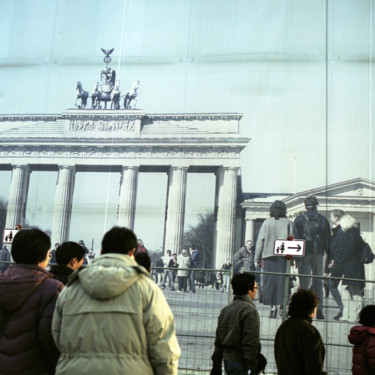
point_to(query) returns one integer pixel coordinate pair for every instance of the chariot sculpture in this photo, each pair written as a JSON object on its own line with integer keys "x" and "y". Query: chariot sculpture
{"x": 107, "y": 90}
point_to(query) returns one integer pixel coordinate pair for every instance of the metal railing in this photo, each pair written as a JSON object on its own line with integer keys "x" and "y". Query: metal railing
{"x": 196, "y": 320}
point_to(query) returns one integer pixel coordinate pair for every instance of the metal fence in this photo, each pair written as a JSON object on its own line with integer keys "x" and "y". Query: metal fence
{"x": 196, "y": 319}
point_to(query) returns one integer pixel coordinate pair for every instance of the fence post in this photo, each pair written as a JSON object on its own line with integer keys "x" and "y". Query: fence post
{"x": 286, "y": 285}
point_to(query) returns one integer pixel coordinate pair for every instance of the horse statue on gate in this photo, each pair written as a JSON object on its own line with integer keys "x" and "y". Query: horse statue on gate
{"x": 115, "y": 96}
{"x": 131, "y": 96}
{"x": 81, "y": 94}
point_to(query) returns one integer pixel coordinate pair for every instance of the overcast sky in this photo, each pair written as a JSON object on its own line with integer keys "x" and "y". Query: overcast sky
{"x": 301, "y": 73}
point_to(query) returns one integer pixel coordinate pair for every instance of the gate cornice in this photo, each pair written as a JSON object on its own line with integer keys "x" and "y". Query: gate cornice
{"x": 86, "y": 137}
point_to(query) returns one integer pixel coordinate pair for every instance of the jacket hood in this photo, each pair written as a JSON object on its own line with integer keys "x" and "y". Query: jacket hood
{"x": 347, "y": 222}
{"x": 18, "y": 282}
{"x": 358, "y": 334}
{"x": 109, "y": 275}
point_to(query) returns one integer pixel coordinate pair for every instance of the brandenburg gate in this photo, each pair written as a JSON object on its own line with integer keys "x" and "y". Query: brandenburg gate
{"x": 127, "y": 142}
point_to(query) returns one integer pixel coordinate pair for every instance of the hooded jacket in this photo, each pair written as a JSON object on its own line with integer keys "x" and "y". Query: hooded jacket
{"x": 26, "y": 346}
{"x": 113, "y": 319}
{"x": 363, "y": 339}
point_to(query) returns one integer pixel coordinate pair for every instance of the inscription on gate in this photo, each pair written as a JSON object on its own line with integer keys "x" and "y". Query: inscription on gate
{"x": 103, "y": 125}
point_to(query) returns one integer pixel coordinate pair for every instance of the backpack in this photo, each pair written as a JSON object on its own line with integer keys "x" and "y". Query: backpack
{"x": 311, "y": 233}
{"x": 367, "y": 256}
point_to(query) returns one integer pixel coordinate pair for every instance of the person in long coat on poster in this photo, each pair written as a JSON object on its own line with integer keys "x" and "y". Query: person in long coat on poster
{"x": 277, "y": 226}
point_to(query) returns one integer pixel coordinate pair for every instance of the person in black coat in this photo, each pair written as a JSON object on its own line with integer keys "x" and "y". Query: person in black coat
{"x": 344, "y": 261}
{"x": 299, "y": 348}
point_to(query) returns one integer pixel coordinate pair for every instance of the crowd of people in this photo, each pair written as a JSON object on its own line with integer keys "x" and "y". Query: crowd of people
{"x": 72, "y": 318}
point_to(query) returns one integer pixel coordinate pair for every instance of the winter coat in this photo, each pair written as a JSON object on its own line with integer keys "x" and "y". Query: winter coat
{"x": 363, "y": 339}
{"x": 61, "y": 272}
{"x": 113, "y": 319}
{"x": 183, "y": 262}
{"x": 237, "y": 333}
{"x": 270, "y": 231}
{"x": 245, "y": 258}
{"x": 299, "y": 348}
{"x": 27, "y": 346}
{"x": 345, "y": 250}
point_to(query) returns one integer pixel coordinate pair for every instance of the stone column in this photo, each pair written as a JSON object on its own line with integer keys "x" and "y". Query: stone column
{"x": 63, "y": 204}
{"x": 19, "y": 186}
{"x": 174, "y": 229}
{"x": 249, "y": 231}
{"x": 225, "y": 225}
{"x": 128, "y": 196}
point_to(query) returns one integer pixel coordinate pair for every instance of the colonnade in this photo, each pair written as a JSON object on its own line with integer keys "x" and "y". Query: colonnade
{"x": 225, "y": 201}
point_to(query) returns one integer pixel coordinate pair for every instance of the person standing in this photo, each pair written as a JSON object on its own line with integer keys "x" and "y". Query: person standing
{"x": 4, "y": 257}
{"x": 167, "y": 272}
{"x": 121, "y": 317}
{"x": 244, "y": 258}
{"x": 183, "y": 261}
{"x": 299, "y": 348}
{"x": 226, "y": 267}
{"x": 277, "y": 226}
{"x": 141, "y": 247}
{"x": 314, "y": 228}
{"x": 344, "y": 261}
{"x": 194, "y": 263}
{"x": 28, "y": 294}
{"x": 363, "y": 339}
{"x": 82, "y": 243}
{"x": 237, "y": 335}
{"x": 173, "y": 265}
{"x": 69, "y": 257}
{"x": 52, "y": 259}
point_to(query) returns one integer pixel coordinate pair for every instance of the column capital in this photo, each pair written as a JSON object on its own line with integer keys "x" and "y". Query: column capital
{"x": 179, "y": 167}
{"x": 132, "y": 167}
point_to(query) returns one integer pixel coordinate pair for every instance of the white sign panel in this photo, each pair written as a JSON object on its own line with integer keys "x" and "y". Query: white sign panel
{"x": 295, "y": 248}
{"x": 8, "y": 235}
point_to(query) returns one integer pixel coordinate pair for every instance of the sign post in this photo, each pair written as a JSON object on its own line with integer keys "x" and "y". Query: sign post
{"x": 288, "y": 248}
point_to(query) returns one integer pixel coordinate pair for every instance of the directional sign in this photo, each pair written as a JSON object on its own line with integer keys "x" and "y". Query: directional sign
{"x": 8, "y": 235}
{"x": 295, "y": 248}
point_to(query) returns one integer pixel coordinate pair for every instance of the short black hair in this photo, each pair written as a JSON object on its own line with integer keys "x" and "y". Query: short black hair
{"x": 30, "y": 246}
{"x": 242, "y": 283}
{"x": 119, "y": 240}
{"x": 278, "y": 209}
{"x": 311, "y": 201}
{"x": 367, "y": 316}
{"x": 143, "y": 259}
{"x": 303, "y": 303}
{"x": 67, "y": 251}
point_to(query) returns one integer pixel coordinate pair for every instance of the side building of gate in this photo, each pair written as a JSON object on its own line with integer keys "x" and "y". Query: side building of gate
{"x": 127, "y": 142}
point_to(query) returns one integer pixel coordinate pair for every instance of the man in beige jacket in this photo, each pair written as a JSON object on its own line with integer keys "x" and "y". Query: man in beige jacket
{"x": 113, "y": 318}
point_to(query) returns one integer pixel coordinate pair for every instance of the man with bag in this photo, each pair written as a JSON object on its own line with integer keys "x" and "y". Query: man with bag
{"x": 314, "y": 229}
{"x": 237, "y": 335}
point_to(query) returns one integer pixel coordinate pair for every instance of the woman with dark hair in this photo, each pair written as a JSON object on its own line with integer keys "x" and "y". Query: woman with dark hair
{"x": 275, "y": 227}
{"x": 299, "y": 348}
{"x": 363, "y": 339}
